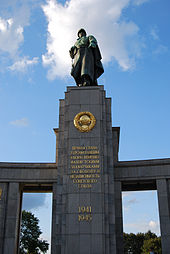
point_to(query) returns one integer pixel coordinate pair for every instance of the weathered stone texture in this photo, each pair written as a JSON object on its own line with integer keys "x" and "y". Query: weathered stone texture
{"x": 11, "y": 235}
{"x": 83, "y": 236}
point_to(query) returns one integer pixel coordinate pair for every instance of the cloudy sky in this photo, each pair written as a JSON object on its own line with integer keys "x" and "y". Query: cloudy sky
{"x": 133, "y": 35}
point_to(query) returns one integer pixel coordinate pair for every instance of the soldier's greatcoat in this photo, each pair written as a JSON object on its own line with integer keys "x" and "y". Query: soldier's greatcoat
{"x": 87, "y": 59}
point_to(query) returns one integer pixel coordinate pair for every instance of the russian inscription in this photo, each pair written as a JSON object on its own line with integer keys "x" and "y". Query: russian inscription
{"x": 85, "y": 166}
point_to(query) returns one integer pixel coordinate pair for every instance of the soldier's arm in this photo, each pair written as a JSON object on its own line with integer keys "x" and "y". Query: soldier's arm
{"x": 72, "y": 51}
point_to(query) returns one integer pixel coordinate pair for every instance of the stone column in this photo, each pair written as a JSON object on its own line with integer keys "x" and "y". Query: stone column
{"x": 83, "y": 213}
{"x": 57, "y": 240}
{"x": 163, "y": 188}
{"x": 3, "y": 204}
{"x": 12, "y": 222}
{"x": 118, "y": 218}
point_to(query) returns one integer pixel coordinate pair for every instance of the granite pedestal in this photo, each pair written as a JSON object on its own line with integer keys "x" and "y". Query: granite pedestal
{"x": 84, "y": 206}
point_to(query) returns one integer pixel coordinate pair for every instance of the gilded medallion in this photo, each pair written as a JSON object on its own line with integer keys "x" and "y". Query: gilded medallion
{"x": 84, "y": 121}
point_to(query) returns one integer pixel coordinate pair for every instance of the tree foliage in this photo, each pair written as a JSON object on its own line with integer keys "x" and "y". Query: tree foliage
{"x": 141, "y": 243}
{"x": 30, "y": 243}
{"x": 153, "y": 244}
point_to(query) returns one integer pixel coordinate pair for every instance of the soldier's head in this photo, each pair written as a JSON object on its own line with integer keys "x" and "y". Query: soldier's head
{"x": 81, "y": 33}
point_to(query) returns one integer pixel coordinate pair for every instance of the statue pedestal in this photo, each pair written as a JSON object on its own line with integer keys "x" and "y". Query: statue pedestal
{"x": 84, "y": 200}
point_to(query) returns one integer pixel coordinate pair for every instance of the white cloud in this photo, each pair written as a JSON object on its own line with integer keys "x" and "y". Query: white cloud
{"x": 23, "y": 64}
{"x": 118, "y": 40}
{"x": 139, "y": 2}
{"x": 161, "y": 49}
{"x": 11, "y": 36}
{"x": 23, "y": 122}
{"x": 14, "y": 17}
{"x": 154, "y": 34}
{"x": 142, "y": 226}
{"x": 128, "y": 203}
{"x": 152, "y": 224}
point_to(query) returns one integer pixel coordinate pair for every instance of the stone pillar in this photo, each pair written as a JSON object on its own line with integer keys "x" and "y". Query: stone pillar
{"x": 12, "y": 220}
{"x": 57, "y": 236}
{"x": 119, "y": 218}
{"x": 163, "y": 188}
{"x": 84, "y": 201}
{"x": 3, "y": 204}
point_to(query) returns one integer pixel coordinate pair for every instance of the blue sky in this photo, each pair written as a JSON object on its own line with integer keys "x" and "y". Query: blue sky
{"x": 133, "y": 35}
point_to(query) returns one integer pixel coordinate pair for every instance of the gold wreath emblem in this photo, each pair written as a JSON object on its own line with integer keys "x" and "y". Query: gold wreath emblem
{"x": 84, "y": 121}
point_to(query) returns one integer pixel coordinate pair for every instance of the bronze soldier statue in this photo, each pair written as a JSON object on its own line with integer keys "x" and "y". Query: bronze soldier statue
{"x": 87, "y": 66}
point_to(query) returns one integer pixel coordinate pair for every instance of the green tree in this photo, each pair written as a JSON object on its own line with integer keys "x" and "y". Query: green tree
{"x": 30, "y": 243}
{"x": 150, "y": 235}
{"x": 153, "y": 244}
{"x": 135, "y": 243}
